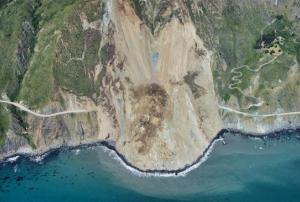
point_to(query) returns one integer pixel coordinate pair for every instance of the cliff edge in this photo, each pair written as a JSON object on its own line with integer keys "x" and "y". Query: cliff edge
{"x": 157, "y": 78}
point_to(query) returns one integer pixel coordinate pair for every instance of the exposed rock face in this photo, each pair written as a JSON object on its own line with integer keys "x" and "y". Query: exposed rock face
{"x": 154, "y": 74}
{"x": 164, "y": 124}
{"x": 157, "y": 97}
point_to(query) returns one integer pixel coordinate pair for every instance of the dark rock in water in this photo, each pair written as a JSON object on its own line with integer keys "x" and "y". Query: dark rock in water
{"x": 44, "y": 174}
{"x": 5, "y": 178}
{"x": 55, "y": 173}
{"x": 19, "y": 178}
{"x": 90, "y": 173}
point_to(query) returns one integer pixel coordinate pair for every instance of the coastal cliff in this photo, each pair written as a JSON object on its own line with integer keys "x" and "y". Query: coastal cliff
{"x": 159, "y": 79}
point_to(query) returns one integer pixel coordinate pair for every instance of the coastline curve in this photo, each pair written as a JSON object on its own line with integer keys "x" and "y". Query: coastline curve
{"x": 181, "y": 172}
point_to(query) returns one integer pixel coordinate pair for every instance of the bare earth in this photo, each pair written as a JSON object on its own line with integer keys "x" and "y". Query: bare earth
{"x": 157, "y": 98}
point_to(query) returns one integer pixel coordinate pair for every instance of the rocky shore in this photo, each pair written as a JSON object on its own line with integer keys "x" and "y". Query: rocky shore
{"x": 148, "y": 76}
{"x": 110, "y": 146}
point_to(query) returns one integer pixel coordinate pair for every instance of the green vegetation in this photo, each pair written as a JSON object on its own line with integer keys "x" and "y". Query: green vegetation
{"x": 93, "y": 10}
{"x": 71, "y": 76}
{"x": 44, "y": 47}
{"x": 17, "y": 41}
{"x": 278, "y": 70}
{"x": 17, "y": 38}
{"x": 33, "y": 62}
{"x": 156, "y": 13}
{"x": 231, "y": 33}
{"x": 234, "y": 33}
{"x": 29, "y": 138}
{"x": 51, "y": 15}
{"x": 66, "y": 53}
{"x": 77, "y": 54}
{"x": 38, "y": 83}
{"x": 298, "y": 52}
{"x": 92, "y": 40}
{"x": 145, "y": 11}
{"x": 4, "y": 124}
{"x": 282, "y": 34}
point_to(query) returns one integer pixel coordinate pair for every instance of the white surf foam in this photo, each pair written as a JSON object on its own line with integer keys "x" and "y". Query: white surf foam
{"x": 12, "y": 159}
{"x": 16, "y": 168}
{"x": 39, "y": 158}
{"x": 136, "y": 172}
{"x": 77, "y": 151}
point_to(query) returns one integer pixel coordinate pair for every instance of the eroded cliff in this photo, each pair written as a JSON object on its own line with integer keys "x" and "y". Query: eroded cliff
{"x": 157, "y": 78}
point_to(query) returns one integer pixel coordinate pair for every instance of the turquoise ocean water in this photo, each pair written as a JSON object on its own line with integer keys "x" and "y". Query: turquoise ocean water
{"x": 244, "y": 169}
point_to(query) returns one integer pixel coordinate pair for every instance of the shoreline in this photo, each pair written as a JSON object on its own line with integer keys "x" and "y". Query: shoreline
{"x": 109, "y": 146}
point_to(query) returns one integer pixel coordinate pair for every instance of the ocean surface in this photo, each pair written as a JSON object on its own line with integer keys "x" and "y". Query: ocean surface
{"x": 243, "y": 169}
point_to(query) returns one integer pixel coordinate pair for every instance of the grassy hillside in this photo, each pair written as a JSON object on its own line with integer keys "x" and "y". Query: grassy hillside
{"x": 65, "y": 54}
{"x": 44, "y": 47}
{"x": 233, "y": 29}
{"x": 17, "y": 38}
{"x": 51, "y": 16}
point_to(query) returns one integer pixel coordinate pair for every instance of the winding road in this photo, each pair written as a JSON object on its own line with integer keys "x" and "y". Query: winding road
{"x": 236, "y": 79}
{"x": 238, "y": 74}
{"x": 257, "y": 115}
{"x": 23, "y": 108}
